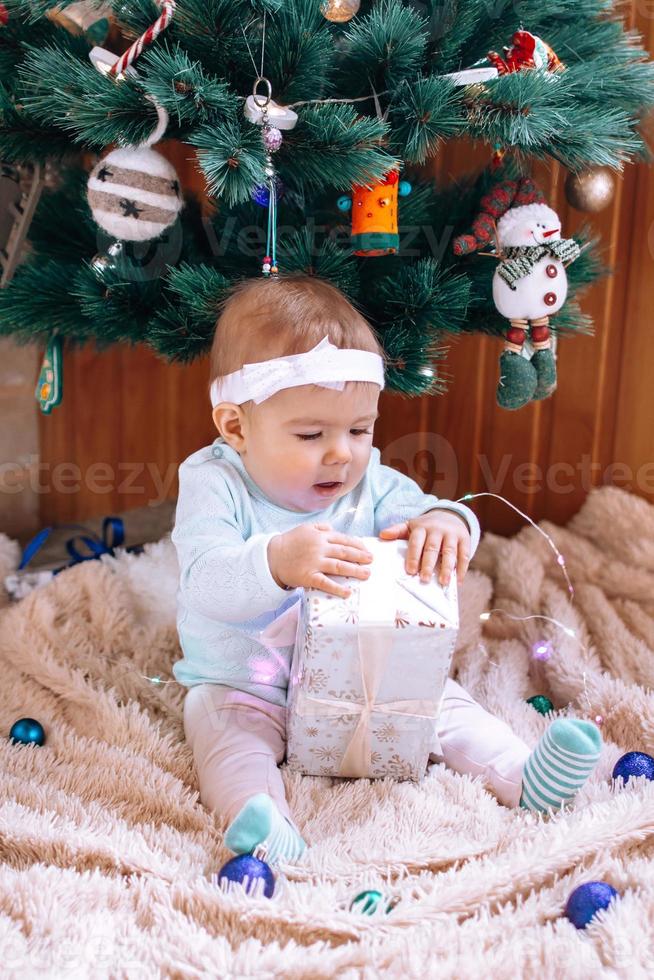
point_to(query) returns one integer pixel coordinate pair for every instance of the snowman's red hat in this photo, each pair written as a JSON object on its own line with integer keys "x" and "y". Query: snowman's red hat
{"x": 503, "y": 197}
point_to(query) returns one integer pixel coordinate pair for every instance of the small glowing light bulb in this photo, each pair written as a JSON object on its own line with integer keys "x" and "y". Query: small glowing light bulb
{"x": 542, "y": 650}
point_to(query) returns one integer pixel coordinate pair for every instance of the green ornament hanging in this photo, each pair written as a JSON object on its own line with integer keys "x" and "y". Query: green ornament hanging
{"x": 50, "y": 385}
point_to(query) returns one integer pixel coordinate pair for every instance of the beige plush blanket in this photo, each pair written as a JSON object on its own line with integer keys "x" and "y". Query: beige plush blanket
{"x": 107, "y": 855}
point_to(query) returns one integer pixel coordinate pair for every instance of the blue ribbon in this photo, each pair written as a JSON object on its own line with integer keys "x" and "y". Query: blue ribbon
{"x": 113, "y": 535}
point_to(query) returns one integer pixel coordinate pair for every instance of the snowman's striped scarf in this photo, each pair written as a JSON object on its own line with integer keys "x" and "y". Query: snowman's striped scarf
{"x": 521, "y": 259}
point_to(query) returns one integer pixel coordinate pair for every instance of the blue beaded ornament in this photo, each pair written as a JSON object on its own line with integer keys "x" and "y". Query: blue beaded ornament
{"x": 634, "y": 764}
{"x": 28, "y": 731}
{"x": 344, "y": 203}
{"x": 247, "y": 869}
{"x": 404, "y": 188}
{"x": 588, "y": 899}
{"x": 261, "y": 194}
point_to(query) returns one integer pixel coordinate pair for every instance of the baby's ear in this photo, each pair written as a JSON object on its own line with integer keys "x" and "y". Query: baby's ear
{"x": 216, "y": 415}
{"x": 229, "y": 421}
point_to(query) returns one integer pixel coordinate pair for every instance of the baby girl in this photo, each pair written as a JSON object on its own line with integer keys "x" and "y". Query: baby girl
{"x": 279, "y": 502}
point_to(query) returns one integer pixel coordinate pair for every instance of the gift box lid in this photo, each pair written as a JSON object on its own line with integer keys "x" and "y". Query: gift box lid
{"x": 388, "y": 593}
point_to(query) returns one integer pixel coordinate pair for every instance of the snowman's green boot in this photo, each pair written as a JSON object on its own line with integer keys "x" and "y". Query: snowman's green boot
{"x": 517, "y": 382}
{"x": 545, "y": 365}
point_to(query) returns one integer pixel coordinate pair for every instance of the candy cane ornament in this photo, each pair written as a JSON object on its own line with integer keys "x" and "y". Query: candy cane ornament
{"x": 132, "y": 53}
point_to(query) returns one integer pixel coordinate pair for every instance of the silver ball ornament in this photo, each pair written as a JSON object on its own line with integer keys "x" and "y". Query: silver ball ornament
{"x": 591, "y": 190}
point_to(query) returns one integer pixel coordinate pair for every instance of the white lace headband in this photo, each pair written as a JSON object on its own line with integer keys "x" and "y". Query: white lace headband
{"x": 319, "y": 366}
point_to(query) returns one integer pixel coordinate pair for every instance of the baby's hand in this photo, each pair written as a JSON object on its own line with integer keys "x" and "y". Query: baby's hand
{"x": 309, "y": 553}
{"x": 437, "y": 532}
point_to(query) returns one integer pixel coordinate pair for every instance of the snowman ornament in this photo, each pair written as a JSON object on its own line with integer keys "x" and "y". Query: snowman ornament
{"x": 530, "y": 284}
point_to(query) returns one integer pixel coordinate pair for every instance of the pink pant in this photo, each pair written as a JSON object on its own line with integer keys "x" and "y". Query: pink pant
{"x": 238, "y": 741}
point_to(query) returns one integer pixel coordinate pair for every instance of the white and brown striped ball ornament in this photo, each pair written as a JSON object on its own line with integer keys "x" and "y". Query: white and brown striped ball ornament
{"x": 134, "y": 193}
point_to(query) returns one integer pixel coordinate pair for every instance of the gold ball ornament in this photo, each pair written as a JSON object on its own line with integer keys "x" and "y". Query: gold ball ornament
{"x": 591, "y": 190}
{"x": 340, "y": 11}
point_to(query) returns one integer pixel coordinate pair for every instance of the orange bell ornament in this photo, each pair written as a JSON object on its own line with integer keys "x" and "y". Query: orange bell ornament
{"x": 374, "y": 215}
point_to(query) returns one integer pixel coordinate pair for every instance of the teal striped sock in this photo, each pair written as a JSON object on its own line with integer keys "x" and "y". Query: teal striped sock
{"x": 259, "y": 822}
{"x": 560, "y": 764}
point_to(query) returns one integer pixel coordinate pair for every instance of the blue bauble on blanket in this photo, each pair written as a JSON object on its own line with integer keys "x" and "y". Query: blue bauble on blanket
{"x": 588, "y": 899}
{"x": 247, "y": 870}
{"x": 634, "y": 764}
{"x": 28, "y": 731}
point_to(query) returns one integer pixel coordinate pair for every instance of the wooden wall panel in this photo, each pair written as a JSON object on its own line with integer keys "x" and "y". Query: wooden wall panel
{"x": 141, "y": 417}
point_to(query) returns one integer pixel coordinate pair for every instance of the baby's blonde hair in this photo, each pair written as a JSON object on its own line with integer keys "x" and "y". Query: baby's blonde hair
{"x": 289, "y": 314}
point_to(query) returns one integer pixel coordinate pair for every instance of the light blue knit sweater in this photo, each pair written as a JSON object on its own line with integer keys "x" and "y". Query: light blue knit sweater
{"x": 227, "y": 594}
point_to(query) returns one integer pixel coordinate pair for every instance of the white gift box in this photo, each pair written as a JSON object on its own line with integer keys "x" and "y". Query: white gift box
{"x": 368, "y": 672}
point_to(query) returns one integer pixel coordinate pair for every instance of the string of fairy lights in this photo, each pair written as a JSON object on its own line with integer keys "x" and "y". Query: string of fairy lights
{"x": 542, "y": 650}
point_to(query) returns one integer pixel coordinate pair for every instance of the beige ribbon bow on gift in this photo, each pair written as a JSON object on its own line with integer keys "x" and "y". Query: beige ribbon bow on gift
{"x": 374, "y": 645}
